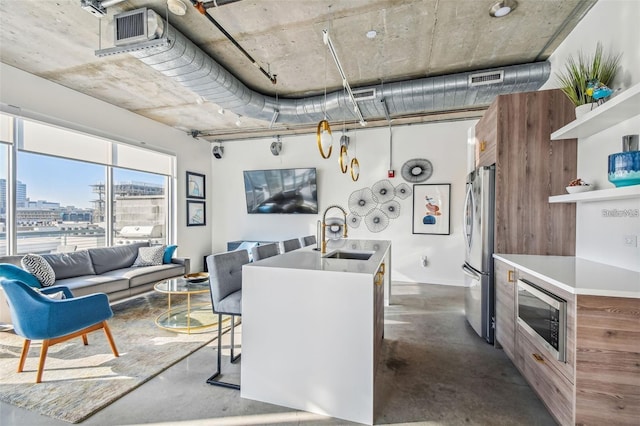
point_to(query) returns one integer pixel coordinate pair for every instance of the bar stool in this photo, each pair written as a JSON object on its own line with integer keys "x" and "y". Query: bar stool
{"x": 225, "y": 281}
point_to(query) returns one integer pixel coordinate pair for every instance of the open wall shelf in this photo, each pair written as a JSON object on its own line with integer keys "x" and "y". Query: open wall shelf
{"x": 618, "y": 109}
{"x": 598, "y": 195}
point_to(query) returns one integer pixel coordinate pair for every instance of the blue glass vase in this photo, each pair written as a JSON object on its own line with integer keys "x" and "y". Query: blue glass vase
{"x": 624, "y": 168}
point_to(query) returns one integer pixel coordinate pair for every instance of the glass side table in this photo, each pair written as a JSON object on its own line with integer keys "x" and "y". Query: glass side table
{"x": 189, "y": 318}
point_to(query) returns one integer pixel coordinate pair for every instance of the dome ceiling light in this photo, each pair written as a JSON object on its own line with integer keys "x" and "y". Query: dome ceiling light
{"x": 503, "y": 8}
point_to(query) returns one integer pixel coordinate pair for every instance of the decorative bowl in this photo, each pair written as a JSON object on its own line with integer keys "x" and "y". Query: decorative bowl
{"x": 197, "y": 277}
{"x": 624, "y": 168}
{"x": 579, "y": 188}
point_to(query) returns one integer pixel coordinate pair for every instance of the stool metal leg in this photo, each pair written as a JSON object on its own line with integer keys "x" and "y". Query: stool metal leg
{"x": 213, "y": 379}
{"x": 233, "y": 334}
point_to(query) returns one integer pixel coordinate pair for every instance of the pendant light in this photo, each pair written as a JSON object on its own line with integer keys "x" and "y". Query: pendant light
{"x": 355, "y": 169}
{"x": 355, "y": 165}
{"x": 344, "y": 147}
{"x": 344, "y": 159}
{"x": 324, "y": 137}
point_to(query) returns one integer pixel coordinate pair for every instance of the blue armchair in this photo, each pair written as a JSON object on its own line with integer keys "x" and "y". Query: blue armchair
{"x": 36, "y": 316}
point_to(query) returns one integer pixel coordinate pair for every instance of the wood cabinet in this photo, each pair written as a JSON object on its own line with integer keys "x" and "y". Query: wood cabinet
{"x": 505, "y": 281}
{"x": 607, "y": 361}
{"x": 486, "y": 137}
{"x": 378, "y": 313}
{"x": 555, "y": 390}
{"x": 515, "y": 134}
{"x": 599, "y": 383}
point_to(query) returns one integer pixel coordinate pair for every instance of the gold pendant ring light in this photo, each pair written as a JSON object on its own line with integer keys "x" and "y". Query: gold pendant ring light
{"x": 323, "y": 126}
{"x": 355, "y": 164}
{"x": 344, "y": 158}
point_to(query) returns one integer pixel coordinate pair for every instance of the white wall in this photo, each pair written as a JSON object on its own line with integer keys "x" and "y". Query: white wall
{"x": 444, "y": 144}
{"x": 615, "y": 24}
{"x": 40, "y": 98}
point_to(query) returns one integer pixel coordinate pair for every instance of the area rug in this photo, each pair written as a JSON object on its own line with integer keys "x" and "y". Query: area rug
{"x": 79, "y": 380}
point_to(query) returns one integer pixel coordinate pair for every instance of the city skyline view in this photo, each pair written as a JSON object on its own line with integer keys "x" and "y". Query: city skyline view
{"x": 68, "y": 182}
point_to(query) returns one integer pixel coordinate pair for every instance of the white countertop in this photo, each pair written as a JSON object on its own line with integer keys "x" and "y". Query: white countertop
{"x": 577, "y": 275}
{"x": 310, "y": 259}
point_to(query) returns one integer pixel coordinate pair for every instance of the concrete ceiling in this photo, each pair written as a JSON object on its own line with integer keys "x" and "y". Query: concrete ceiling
{"x": 57, "y": 40}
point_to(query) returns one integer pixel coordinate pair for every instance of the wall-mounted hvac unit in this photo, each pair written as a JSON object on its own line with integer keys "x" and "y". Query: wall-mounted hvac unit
{"x": 137, "y": 25}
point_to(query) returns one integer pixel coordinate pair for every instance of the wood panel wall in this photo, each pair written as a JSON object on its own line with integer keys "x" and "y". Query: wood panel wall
{"x": 530, "y": 168}
{"x": 608, "y": 361}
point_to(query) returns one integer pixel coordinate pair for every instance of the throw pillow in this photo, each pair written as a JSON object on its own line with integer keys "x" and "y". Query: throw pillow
{"x": 149, "y": 256}
{"x": 168, "y": 253}
{"x": 58, "y": 295}
{"x": 12, "y": 272}
{"x": 36, "y": 265}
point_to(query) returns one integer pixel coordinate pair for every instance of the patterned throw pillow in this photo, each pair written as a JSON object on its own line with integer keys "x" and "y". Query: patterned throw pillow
{"x": 37, "y": 266}
{"x": 149, "y": 256}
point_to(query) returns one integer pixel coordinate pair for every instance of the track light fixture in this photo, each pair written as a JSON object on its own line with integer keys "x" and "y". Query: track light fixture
{"x": 345, "y": 83}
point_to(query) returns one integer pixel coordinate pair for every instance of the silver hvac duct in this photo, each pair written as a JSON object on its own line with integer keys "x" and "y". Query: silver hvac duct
{"x": 187, "y": 64}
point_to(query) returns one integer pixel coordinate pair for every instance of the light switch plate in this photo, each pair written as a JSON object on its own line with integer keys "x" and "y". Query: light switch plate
{"x": 631, "y": 240}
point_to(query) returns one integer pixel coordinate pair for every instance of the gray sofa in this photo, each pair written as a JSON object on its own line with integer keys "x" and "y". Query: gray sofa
{"x": 108, "y": 270}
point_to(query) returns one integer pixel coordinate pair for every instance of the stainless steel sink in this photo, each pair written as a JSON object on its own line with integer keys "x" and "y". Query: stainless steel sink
{"x": 350, "y": 255}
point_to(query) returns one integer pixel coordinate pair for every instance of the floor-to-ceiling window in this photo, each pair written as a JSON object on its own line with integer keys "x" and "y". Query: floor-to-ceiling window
{"x": 59, "y": 204}
{"x": 75, "y": 191}
{"x": 6, "y": 138}
{"x": 139, "y": 207}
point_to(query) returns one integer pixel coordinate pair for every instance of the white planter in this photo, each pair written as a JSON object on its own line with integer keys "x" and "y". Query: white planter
{"x": 583, "y": 109}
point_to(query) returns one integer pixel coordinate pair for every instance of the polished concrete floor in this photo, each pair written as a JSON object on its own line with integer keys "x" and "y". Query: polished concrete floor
{"x": 435, "y": 371}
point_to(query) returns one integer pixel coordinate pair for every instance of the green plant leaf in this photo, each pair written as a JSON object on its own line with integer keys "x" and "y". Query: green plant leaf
{"x": 577, "y": 73}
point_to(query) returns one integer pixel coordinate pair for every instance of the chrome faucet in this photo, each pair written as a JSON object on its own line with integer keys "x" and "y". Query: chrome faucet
{"x": 324, "y": 225}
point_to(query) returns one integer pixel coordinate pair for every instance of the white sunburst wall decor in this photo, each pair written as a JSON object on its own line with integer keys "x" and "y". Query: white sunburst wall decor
{"x": 376, "y": 205}
{"x": 376, "y": 220}
{"x": 383, "y": 191}
{"x": 402, "y": 191}
{"x": 353, "y": 221}
{"x": 361, "y": 202}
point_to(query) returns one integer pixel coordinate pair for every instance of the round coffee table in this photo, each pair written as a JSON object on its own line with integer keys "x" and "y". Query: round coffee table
{"x": 181, "y": 318}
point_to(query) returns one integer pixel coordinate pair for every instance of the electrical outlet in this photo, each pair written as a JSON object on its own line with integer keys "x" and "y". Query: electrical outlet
{"x": 631, "y": 240}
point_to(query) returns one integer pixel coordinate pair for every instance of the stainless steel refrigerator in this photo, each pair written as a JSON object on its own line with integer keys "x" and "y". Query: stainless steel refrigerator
{"x": 479, "y": 218}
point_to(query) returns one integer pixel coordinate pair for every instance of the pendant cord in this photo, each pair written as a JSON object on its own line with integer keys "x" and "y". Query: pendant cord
{"x": 324, "y": 106}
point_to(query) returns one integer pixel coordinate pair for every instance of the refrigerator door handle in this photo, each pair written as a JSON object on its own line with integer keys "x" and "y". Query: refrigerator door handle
{"x": 467, "y": 219}
{"x": 470, "y": 272}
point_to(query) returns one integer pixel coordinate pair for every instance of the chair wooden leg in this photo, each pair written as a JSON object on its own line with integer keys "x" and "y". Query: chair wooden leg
{"x": 107, "y": 332}
{"x": 23, "y": 356}
{"x": 43, "y": 356}
{"x": 85, "y": 340}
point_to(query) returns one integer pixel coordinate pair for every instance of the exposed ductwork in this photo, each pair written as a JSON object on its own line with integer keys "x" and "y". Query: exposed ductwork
{"x": 183, "y": 61}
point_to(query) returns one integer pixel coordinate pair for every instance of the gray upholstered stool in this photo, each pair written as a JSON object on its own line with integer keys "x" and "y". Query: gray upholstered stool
{"x": 225, "y": 280}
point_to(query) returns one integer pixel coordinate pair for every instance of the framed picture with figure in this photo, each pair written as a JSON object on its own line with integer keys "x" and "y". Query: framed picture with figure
{"x": 196, "y": 185}
{"x": 196, "y": 213}
{"x": 431, "y": 209}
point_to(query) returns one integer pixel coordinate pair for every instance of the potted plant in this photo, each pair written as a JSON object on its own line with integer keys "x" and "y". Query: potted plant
{"x": 575, "y": 78}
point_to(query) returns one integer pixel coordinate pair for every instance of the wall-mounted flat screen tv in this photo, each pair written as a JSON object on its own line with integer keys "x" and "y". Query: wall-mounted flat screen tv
{"x": 281, "y": 191}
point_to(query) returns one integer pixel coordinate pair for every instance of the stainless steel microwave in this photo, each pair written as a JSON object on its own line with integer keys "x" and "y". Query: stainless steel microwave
{"x": 544, "y": 316}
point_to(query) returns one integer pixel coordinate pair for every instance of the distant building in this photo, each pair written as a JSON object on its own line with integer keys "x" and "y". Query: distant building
{"x": 37, "y": 217}
{"x": 21, "y": 195}
{"x": 42, "y": 204}
{"x": 121, "y": 191}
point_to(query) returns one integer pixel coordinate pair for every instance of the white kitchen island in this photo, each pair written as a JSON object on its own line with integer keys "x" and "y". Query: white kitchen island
{"x": 312, "y": 328}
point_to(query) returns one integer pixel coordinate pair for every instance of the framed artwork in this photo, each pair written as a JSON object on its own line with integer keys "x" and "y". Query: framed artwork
{"x": 431, "y": 209}
{"x": 196, "y": 213}
{"x": 195, "y": 185}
